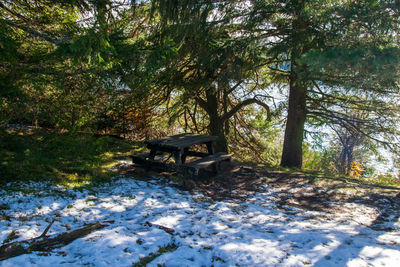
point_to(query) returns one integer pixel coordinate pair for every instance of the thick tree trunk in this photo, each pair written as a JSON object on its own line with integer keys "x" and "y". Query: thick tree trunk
{"x": 341, "y": 162}
{"x": 217, "y": 129}
{"x": 349, "y": 160}
{"x": 293, "y": 142}
{"x": 219, "y": 123}
{"x": 297, "y": 111}
{"x": 216, "y": 126}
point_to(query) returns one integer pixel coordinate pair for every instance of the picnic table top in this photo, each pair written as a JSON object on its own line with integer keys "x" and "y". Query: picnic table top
{"x": 181, "y": 141}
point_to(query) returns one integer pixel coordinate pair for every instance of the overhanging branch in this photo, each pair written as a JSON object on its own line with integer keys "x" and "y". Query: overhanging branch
{"x": 202, "y": 103}
{"x": 34, "y": 32}
{"x": 246, "y": 103}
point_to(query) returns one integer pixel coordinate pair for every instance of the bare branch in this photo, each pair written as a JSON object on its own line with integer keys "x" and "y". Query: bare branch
{"x": 246, "y": 103}
{"x": 202, "y": 102}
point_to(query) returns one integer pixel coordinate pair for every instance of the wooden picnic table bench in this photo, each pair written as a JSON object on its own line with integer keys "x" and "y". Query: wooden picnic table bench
{"x": 179, "y": 146}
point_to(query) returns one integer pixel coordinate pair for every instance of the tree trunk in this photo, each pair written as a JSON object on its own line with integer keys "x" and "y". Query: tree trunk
{"x": 44, "y": 243}
{"x": 349, "y": 159}
{"x": 216, "y": 126}
{"x": 341, "y": 162}
{"x": 297, "y": 111}
{"x": 293, "y": 141}
{"x": 217, "y": 129}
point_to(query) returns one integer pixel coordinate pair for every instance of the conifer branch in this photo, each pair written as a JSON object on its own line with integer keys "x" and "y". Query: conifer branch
{"x": 244, "y": 103}
{"x": 34, "y": 32}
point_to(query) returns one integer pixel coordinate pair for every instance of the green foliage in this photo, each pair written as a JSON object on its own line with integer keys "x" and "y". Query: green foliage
{"x": 110, "y": 67}
{"x": 8, "y": 57}
{"x": 374, "y": 67}
{"x": 255, "y": 138}
{"x": 146, "y": 260}
{"x": 319, "y": 160}
{"x": 331, "y": 53}
{"x": 63, "y": 158}
{"x": 324, "y": 161}
{"x": 385, "y": 179}
{"x": 61, "y": 58}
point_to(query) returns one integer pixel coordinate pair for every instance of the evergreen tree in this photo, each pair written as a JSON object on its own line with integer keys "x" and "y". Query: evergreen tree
{"x": 62, "y": 59}
{"x": 328, "y": 52}
{"x": 214, "y": 64}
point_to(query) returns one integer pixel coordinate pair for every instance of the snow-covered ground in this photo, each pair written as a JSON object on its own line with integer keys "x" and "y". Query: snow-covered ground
{"x": 255, "y": 232}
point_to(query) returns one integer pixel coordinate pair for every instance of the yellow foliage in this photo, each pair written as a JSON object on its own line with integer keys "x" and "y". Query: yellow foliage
{"x": 356, "y": 170}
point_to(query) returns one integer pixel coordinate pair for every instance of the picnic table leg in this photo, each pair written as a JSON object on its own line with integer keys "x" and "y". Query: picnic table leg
{"x": 185, "y": 151}
{"x": 210, "y": 148}
{"x": 178, "y": 157}
{"x": 153, "y": 152}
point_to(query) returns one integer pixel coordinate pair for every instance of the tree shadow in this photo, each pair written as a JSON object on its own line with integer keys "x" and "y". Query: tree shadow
{"x": 389, "y": 214}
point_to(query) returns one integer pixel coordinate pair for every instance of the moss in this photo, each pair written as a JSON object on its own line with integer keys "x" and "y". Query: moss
{"x": 145, "y": 260}
{"x": 69, "y": 159}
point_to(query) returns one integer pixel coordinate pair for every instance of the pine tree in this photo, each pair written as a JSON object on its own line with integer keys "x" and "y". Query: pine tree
{"x": 329, "y": 52}
{"x": 213, "y": 63}
{"x": 325, "y": 52}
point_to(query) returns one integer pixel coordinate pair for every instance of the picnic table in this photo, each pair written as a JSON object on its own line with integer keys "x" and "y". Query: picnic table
{"x": 180, "y": 147}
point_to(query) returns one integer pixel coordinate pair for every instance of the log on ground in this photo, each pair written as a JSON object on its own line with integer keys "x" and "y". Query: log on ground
{"x": 46, "y": 243}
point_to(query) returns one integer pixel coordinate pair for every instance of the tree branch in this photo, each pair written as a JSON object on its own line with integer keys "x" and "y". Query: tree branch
{"x": 246, "y": 103}
{"x": 12, "y": 12}
{"x": 34, "y": 32}
{"x": 46, "y": 243}
{"x": 233, "y": 88}
{"x": 202, "y": 103}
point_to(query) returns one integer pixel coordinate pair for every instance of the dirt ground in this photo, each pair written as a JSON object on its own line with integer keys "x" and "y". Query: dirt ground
{"x": 299, "y": 189}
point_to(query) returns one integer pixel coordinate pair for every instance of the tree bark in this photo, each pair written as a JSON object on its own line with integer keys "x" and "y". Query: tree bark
{"x": 43, "y": 243}
{"x": 216, "y": 126}
{"x": 292, "y": 154}
{"x": 219, "y": 123}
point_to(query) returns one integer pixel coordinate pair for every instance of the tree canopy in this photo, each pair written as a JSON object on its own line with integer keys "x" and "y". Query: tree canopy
{"x": 200, "y": 65}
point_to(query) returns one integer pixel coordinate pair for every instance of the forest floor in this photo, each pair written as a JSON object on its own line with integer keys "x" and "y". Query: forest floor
{"x": 247, "y": 216}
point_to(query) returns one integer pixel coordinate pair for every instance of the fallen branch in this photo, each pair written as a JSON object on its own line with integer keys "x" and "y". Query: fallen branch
{"x": 43, "y": 243}
{"x": 166, "y": 229}
{"x": 43, "y": 235}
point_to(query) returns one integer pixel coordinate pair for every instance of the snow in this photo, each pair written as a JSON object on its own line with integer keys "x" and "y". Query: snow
{"x": 255, "y": 232}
